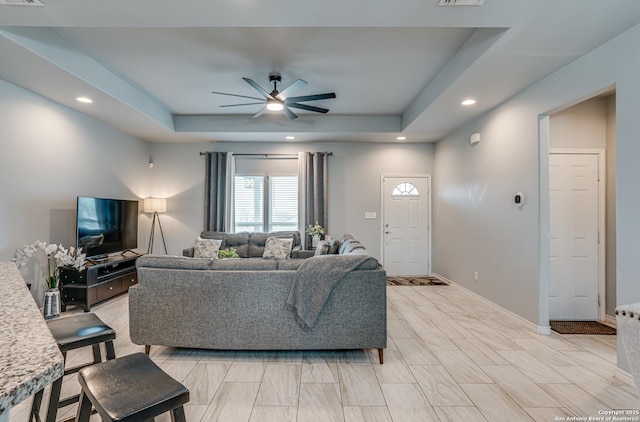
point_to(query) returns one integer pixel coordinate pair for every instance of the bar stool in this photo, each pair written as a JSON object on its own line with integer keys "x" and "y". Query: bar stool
{"x": 72, "y": 333}
{"x": 130, "y": 388}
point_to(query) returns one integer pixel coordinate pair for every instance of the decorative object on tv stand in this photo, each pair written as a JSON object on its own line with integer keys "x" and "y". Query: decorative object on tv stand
{"x": 314, "y": 231}
{"x": 155, "y": 205}
{"x": 57, "y": 256}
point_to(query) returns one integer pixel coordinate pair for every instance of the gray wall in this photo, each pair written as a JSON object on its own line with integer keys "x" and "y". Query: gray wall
{"x": 50, "y": 155}
{"x": 477, "y": 225}
{"x": 354, "y": 183}
{"x": 583, "y": 125}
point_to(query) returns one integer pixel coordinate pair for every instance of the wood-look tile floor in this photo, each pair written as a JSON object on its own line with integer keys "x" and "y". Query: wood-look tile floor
{"x": 451, "y": 357}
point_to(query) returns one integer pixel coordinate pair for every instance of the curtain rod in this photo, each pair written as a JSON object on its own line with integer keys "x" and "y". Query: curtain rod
{"x": 266, "y": 155}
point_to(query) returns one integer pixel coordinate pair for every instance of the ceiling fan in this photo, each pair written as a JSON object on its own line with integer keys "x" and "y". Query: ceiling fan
{"x": 281, "y": 101}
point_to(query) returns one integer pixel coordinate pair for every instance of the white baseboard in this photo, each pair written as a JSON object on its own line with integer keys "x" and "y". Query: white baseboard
{"x": 441, "y": 278}
{"x": 610, "y": 321}
{"x": 624, "y": 376}
{"x": 542, "y": 330}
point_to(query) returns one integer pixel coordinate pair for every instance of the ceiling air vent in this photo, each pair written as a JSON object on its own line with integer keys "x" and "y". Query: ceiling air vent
{"x": 459, "y": 2}
{"x": 21, "y": 3}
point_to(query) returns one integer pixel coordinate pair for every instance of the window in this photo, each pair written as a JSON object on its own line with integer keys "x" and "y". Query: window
{"x": 283, "y": 203}
{"x": 249, "y": 203}
{"x": 263, "y": 210}
{"x": 405, "y": 189}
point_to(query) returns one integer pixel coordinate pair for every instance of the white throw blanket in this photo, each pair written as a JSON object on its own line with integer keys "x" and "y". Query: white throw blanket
{"x": 314, "y": 281}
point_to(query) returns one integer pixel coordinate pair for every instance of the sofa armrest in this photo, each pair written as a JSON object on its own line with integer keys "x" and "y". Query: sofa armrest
{"x": 188, "y": 252}
{"x": 303, "y": 253}
{"x": 295, "y": 251}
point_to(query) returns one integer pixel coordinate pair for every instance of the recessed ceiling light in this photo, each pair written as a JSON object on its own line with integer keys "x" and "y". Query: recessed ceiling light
{"x": 84, "y": 100}
{"x": 468, "y": 102}
{"x": 401, "y": 138}
{"x": 290, "y": 137}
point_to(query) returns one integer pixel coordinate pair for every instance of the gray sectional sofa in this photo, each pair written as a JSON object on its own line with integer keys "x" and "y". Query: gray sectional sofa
{"x": 251, "y": 245}
{"x": 259, "y": 304}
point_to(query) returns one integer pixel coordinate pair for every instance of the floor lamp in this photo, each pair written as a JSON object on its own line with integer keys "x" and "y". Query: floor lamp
{"x": 155, "y": 205}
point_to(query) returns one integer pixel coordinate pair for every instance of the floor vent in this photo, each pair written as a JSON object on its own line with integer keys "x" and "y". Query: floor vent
{"x": 21, "y": 3}
{"x": 460, "y": 2}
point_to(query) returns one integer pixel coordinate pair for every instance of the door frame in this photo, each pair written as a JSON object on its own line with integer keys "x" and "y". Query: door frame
{"x": 428, "y": 219}
{"x": 600, "y": 153}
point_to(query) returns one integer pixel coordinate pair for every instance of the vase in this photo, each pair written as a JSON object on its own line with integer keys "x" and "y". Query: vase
{"x": 51, "y": 308}
{"x": 314, "y": 240}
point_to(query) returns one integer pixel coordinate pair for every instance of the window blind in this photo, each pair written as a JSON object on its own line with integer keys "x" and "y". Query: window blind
{"x": 249, "y": 203}
{"x": 283, "y": 203}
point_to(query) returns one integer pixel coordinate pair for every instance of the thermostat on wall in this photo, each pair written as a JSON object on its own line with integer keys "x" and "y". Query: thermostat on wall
{"x": 474, "y": 138}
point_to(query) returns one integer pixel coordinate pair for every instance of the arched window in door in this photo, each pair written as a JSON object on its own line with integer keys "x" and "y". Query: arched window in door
{"x": 405, "y": 189}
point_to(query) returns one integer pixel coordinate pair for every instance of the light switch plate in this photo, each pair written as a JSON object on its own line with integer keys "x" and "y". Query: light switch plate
{"x": 370, "y": 215}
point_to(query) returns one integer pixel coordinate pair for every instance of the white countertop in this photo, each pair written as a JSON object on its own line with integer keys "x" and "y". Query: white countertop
{"x": 29, "y": 356}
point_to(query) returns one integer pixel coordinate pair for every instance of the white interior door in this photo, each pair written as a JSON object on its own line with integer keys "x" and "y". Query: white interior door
{"x": 573, "y": 237}
{"x": 406, "y": 222}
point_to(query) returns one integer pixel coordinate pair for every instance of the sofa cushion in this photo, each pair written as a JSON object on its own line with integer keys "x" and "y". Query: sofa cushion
{"x": 289, "y": 264}
{"x": 173, "y": 262}
{"x": 286, "y": 234}
{"x": 256, "y": 244}
{"x": 334, "y": 246}
{"x": 277, "y": 248}
{"x": 351, "y": 245}
{"x": 344, "y": 238}
{"x": 322, "y": 248}
{"x": 257, "y": 241}
{"x": 240, "y": 241}
{"x": 244, "y": 264}
{"x": 215, "y": 235}
{"x": 206, "y": 248}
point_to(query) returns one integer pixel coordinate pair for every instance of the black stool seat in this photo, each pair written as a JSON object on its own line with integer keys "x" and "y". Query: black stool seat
{"x": 130, "y": 388}
{"x": 72, "y": 333}
{"x": 79, "y": 331}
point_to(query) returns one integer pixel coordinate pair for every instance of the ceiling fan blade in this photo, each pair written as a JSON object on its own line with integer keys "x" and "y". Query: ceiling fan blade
{"x": 290, "y": 114}
{"x": 258, "y": 88}
{"x": 235, "y": 95}
{"x": 308, "y": 107}
{"x": 260, "y": 113}
{"x": 310, "y": 98}
{"x": 291, "y": 89}
{"x": 245, "y": 104}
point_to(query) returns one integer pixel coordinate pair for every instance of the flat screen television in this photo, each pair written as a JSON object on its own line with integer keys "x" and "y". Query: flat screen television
{"x": 105, "y": 226}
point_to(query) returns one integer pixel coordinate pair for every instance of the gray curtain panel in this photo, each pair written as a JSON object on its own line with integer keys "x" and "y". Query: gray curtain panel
{"x": 215, "y": 191}
{"x": 313, "y": 180}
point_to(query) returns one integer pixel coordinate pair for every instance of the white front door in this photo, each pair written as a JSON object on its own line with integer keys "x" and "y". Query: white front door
{"x": 406, "y": 221}
{"x": 573, "y": 237}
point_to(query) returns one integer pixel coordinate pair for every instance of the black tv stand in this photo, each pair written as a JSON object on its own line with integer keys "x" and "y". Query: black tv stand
{"x": 100, "y": 281}
{"x": 129, "y": 250}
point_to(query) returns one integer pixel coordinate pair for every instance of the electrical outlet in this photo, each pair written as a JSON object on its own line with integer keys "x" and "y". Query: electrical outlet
{"x": 475, "y": 275}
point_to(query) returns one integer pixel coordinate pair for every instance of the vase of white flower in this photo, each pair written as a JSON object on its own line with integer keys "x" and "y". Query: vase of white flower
{"x": 57, "y": 256}
{"x": 314, "y": 231}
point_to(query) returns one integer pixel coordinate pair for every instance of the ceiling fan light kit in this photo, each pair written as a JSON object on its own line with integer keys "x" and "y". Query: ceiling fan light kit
{"x": 281, "y": 101}
{"x": 274, "y": 105}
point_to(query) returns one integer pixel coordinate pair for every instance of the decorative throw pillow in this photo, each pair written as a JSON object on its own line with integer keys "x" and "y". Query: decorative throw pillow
{"x": 277, "y": 248}
{"x": 206, "y": 248}
{"x": 349, "y": 246}
{"x": 334, "y": 247}
{"x": 322, "y": 248}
